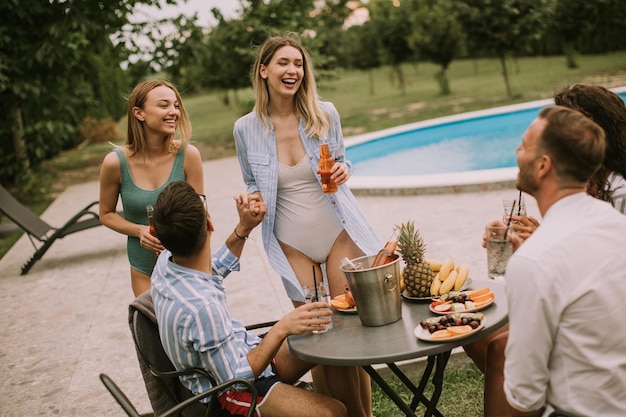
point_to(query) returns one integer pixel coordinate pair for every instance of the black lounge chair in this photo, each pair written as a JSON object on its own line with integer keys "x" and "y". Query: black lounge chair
{"x": 42, "y": 231}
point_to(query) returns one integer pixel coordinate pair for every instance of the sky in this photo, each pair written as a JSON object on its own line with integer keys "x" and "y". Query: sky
{"x": 229, "y": 9}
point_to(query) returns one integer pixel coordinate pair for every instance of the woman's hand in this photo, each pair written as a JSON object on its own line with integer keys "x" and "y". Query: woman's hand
{"x": 251, "y": 209}
{"x": 339, "y": 173}
{"x": 524, "y": 226}
{"x": 149, "y": 241}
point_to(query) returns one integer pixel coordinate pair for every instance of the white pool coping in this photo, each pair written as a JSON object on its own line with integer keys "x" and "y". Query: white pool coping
{"x": 440, "y": 183}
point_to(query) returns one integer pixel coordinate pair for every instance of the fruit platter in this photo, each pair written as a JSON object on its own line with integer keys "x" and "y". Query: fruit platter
{"x": 453, "y": 326}
{"x": 463, "y": 301}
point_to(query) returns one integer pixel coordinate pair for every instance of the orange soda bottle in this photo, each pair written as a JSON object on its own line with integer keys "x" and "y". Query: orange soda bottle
{"x": 386, "y": 254}
{"x": 325, "y": 164}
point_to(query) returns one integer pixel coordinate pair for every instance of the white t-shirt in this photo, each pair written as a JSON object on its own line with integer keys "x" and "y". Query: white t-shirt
{"x": 566, "y": 289}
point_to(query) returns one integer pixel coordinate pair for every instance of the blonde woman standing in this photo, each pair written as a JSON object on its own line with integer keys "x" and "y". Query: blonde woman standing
{"x": 139, "y": 170}
{"x": 278, "y": 146}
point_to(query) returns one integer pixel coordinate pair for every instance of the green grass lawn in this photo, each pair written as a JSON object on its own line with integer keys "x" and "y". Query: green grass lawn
{"x": 462, "y": 394}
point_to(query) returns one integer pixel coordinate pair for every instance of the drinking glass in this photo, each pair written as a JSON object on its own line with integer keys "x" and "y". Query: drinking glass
{"x": 499, "y": 250}
{"x": 517, "y": 207}
{"x": 321, "y": 293}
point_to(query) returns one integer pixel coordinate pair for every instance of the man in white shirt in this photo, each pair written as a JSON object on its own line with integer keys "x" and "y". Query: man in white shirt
{"x": 565, "y": 285}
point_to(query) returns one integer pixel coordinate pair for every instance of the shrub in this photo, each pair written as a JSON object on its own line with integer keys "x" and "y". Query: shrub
{"x": 93, "y": 130}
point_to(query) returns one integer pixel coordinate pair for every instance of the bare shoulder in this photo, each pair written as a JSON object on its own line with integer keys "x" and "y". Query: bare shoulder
{"x": 192, "y": 150}
{"x": 111, "y": 160}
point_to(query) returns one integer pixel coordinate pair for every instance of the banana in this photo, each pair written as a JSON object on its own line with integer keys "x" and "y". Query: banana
{"x": 446, "y": 267}
{"x": 447, "y": 285}
{"x": 434, "y": 264}
{"x": 461, "y": 276}
{"x": 434, "y": 287}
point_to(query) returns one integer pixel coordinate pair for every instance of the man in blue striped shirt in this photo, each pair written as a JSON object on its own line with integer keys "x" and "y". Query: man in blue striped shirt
{"x": 194, "y": 320}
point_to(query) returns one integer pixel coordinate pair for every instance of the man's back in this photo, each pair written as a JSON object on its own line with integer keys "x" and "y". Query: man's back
{"x": 565, "y": 287}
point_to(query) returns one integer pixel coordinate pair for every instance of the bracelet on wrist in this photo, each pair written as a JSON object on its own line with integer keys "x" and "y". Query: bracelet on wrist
{"x": 239, "y": 237}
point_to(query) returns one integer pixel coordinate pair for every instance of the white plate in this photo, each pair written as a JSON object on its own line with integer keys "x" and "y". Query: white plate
{"x": 471, "y": 310}
{"x": 424, "y": 334}
{"x": 409, "y": 297}
{"x": 406, "y": 295}
{"x": 346, "y": 310}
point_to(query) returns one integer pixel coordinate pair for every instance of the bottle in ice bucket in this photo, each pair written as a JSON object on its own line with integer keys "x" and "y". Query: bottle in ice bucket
{"x": 150, "y": 213}
{"x": 386, "y": 254}
{"x": 325, "y": 164}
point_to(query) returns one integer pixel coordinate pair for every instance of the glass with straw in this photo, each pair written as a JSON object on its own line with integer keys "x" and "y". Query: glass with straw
{"x": 499, "y": 248}
{"x": 515, "y": 207}
{"x": 320, "y": 292}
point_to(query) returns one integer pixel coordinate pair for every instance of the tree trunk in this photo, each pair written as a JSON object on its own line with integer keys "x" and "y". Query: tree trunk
{"x": 442, "y": 79}
{"x": 370, "y": 76}
{"x": 236, "y": 97}
{"x": 18, "y": 140}
{"x": 571, "y": 56}
{"x": 400, "y": 74}
{"x": 505, "y": 74}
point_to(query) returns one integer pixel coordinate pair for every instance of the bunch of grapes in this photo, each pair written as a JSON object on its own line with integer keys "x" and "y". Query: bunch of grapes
{"x": 449, "y": 320}
{"x": 460, "y": 298}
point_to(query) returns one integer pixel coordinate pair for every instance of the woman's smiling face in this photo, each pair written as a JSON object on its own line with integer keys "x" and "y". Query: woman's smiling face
{"x": 284, "y": 72}
{"x": 160, "y": 111}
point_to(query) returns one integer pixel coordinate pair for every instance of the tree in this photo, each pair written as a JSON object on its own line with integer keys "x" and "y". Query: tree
{"x": 392, "y": 23}
{"x": 360, "y": 50}
{"x": 503, "y": 26}
{"x": 220, "y": 58}
{"x": 579, "y": 23}
{"x": 437, "y": 36}
{"x": 58, "y": 65}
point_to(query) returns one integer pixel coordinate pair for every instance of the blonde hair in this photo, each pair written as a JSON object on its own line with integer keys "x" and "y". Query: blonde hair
{"x": 135, "y": 137}
{"x": 306, "y": 100}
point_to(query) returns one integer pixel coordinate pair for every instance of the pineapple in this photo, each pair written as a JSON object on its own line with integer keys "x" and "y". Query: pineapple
{"x": 418, "y": 274}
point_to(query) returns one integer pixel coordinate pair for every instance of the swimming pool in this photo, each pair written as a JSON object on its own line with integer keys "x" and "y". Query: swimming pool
{"x": 469, "y": 148}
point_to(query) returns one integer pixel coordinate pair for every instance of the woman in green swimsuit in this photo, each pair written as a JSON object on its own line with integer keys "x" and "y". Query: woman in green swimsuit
{"x": 138, "y": 170}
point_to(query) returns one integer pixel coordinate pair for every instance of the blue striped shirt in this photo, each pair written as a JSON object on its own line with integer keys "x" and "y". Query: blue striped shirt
{"x": 256, "y": 151}
{"x": 194, "y": 320}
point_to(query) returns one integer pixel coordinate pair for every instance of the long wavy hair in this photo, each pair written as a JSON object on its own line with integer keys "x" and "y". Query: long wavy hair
{"x": 609, "y": 111}
{"x": 306, "y": 100}
{"x": 135, "y": 142}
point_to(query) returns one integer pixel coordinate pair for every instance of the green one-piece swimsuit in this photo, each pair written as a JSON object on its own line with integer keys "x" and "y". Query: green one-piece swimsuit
{"x": 134, "y": 202}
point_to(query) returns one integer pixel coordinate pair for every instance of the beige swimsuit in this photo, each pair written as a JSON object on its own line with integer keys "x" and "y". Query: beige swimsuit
{"x": 305, "y": 219}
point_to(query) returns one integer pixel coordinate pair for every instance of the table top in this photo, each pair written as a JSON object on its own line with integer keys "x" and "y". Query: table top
{"x": 351, "y": 343}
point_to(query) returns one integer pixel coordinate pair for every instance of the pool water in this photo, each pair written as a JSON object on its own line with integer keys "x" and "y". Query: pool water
{"x": 468, "y": 142}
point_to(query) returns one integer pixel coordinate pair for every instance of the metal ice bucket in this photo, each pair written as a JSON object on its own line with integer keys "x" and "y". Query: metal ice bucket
{"x": 376, "y": 291}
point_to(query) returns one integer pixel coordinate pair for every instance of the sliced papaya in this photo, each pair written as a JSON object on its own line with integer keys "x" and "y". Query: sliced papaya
{"x": 482, "y": 297}
{"x": 476, "y": 293}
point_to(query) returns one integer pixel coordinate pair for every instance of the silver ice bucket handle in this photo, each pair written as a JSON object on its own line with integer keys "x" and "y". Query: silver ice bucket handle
{"x": 390, "y": 283}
